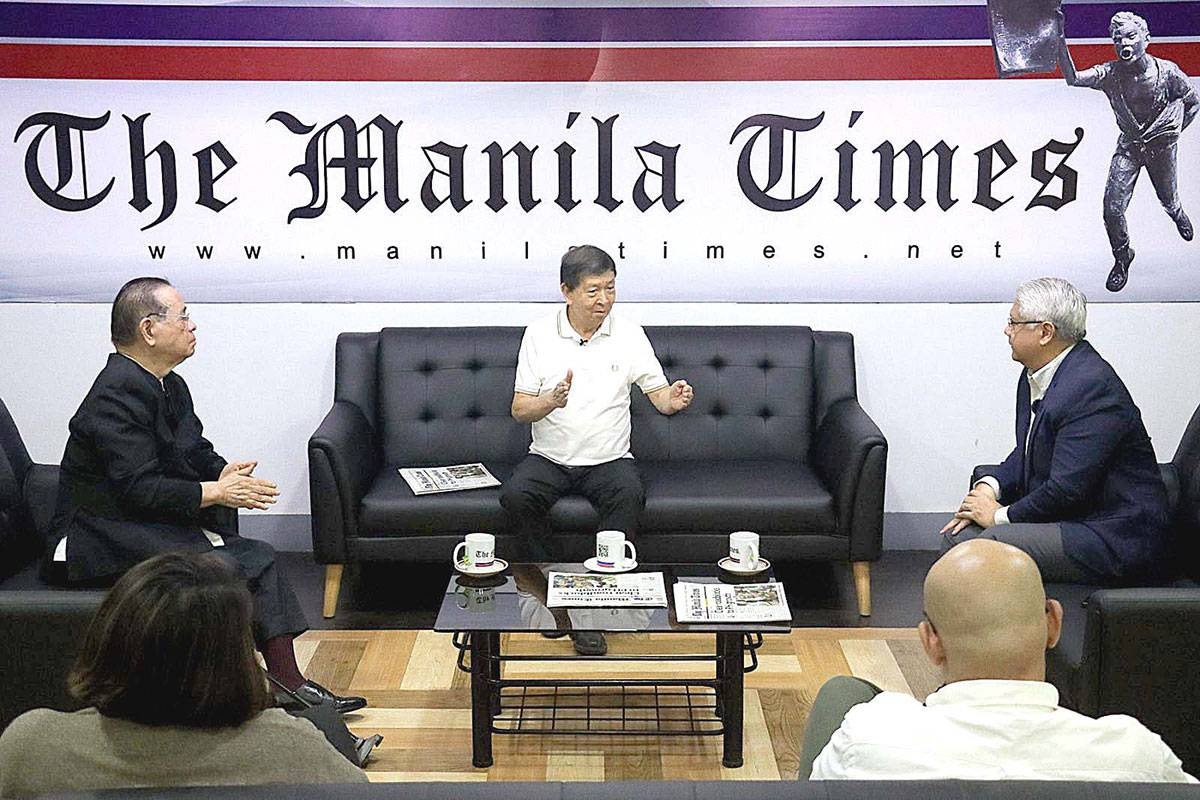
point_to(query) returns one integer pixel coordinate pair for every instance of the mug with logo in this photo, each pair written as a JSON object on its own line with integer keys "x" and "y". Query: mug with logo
{"x": 477, "y": 552}
{"x": 613, "y": 549}
{"x": 743, "y": 549}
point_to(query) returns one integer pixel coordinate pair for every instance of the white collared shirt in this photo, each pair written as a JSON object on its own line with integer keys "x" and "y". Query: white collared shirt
{"x": 992, "y": 730}
{"x": 594, "y": 426}
{"x": 1039, "y": 382}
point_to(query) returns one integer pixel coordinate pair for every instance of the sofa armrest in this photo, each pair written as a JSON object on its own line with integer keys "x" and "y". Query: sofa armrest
{"x": 343, "y": 459}
{"x": 41, "y": 630}
{"x": 1139, "y": 658}
{"x": 849, "y": 452}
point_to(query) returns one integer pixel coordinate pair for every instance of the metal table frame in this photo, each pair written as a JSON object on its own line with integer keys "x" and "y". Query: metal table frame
{"x": 573, "y": 706}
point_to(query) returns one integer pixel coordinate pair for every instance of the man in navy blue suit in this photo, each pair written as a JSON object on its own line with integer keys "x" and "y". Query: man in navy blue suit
{"x": 1081, "y": 492}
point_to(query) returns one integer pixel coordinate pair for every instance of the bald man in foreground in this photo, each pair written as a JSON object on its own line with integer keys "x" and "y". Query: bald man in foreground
{"x": 987, "y": 626}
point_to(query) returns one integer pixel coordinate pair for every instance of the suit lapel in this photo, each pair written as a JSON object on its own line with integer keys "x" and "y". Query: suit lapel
{"x": 1062, "y": 376}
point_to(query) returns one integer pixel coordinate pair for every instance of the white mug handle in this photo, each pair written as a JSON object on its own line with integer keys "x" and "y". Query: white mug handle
{"x": 457, "y": 547}
{"x": 632, "y": 550}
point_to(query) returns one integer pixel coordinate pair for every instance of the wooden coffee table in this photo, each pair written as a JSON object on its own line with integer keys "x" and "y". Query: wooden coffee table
{"x": 477, "y": 611}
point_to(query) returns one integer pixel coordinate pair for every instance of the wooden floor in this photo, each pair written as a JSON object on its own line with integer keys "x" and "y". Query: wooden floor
{"x": 420, "y": 702}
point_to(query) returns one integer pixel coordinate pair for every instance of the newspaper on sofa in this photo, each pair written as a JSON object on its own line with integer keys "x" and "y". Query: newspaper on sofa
{"x": 575, "y": 590}
{"x": 719, "y": 602}
{"x": 456, "y": 478}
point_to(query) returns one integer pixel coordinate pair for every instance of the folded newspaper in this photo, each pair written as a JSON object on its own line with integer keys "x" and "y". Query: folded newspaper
{"x": 429, "y": 480}
{"x": 569, "y": 589}
{"x": 720, "y": 602}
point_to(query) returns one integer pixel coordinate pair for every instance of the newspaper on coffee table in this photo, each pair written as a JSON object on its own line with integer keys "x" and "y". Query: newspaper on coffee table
{"x": 576, "y": 590}
{"x": 720, "y": 602}
{"x": 456, "y": 478}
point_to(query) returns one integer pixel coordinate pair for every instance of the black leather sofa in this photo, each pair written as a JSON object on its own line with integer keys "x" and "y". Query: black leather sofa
{"x": 775, "y": 441}
{"x": 679, "y": 790}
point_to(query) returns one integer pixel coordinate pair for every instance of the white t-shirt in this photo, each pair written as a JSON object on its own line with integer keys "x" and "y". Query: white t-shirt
{"x": 992, "y": 729}
{"x": 593, "y": 428}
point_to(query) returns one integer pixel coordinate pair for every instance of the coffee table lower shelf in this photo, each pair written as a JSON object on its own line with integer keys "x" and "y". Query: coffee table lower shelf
{"x": 607, "y": 706}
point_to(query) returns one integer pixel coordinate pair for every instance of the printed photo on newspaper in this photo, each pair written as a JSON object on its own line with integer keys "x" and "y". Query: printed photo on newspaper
{"x": 429, "y": 480}
{"x": 719, "y": 602}
{"x": 569, "y": 589}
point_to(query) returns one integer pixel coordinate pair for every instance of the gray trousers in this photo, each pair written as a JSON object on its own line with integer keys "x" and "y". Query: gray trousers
{"x": 1041, "y": 540}
{"x": 837, "y": 696}
{"x": 1159, "y": 159}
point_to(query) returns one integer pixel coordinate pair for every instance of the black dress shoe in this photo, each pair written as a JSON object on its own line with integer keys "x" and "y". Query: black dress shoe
{"x": 314, "y": 693}
{"x": 589, "y": 643}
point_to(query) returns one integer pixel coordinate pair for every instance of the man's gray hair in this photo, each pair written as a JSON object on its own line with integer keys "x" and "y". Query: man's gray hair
{"x": 1055, "y": 300}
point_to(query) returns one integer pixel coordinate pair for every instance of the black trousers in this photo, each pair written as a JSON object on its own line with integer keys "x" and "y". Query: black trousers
{"x": 276, "y": 610}
{"x": 614, "y": 488}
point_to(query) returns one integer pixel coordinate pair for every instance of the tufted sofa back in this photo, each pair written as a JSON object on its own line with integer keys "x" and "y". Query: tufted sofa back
{"x": 754, "y": 394}
{"x": 443, "y": 395}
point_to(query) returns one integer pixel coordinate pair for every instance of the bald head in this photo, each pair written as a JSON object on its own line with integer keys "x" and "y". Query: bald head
{"x": 987, "y": 613}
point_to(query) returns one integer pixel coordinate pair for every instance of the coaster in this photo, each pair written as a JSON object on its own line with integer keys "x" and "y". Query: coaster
{"x": 591, "y": 565}
{"x": 498, "y": 566}
{"x": 729, "y": 565}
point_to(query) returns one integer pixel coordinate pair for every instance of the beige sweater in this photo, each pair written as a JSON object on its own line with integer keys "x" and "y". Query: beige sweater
{"x": 52, "y": 751}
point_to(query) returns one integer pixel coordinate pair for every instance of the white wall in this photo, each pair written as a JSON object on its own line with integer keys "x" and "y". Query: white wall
{"x": 936, "y": 377}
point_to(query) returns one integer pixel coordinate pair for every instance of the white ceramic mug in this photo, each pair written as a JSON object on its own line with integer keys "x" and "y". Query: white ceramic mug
{"x": 611, "y": 549}
{"x": 743, "y": 549}
{"x": 480, "y": 552}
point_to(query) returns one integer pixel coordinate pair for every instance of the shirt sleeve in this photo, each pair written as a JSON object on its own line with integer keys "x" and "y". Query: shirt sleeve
{"x": 1178, "y": 85}
{"x": 992, "y": 482}
{"x": 1101, "y": 74}
{"x": 647, "y": 373}
{"x": 528, "y": 381}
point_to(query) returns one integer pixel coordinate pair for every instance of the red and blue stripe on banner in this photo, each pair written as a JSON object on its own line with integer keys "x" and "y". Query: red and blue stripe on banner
{"x": 353, "y": 43}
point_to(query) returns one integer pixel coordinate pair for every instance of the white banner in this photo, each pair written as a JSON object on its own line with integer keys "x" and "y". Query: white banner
{"x": 977, "y": 227}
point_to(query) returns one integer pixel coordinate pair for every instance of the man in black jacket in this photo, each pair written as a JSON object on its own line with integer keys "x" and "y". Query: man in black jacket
{"x": 139, "y": 478}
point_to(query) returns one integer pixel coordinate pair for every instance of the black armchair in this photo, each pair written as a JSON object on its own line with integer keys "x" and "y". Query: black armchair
{"x": 1135, "y": 650}
{"x": 40, "y": 625}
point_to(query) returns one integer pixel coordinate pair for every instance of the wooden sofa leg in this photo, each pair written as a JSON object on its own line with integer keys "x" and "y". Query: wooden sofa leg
{"x": 862, "y": 587}
{"x": 333, "y": 583}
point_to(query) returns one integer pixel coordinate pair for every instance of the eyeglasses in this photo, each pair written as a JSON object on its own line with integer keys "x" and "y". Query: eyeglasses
{"x": 1012, "y": 323}
{"x": 168, "y": 317}
{"x": 932, "y": 627}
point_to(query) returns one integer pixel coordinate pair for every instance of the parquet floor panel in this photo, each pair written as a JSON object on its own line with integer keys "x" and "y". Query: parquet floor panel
{"x": 421, "y": 702}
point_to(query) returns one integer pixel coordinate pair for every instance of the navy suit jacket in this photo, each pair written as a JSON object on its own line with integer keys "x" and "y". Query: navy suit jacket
{"x": 1090, "y": 467}
{"x": 129, "y": 486}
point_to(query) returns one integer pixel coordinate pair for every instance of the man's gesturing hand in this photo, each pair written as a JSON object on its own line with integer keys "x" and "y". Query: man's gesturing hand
{"x": 236, "y": 488}
{"x": 239, "y": 467}
{"x": 561, "y": 390}
{"x": 681, "y": 395}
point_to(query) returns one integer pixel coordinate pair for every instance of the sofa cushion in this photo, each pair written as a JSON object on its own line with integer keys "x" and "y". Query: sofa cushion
{"x": 761, "y": 495}
{"x": 389, "y": 507}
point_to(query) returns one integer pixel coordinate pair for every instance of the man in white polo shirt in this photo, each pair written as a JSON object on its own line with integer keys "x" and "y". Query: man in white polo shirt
{"x": 574, "y": 374}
